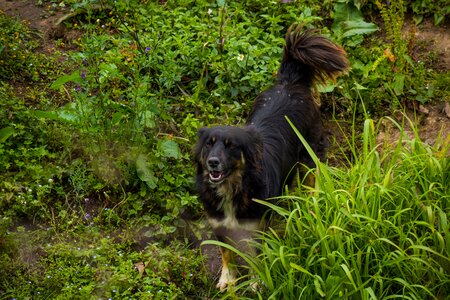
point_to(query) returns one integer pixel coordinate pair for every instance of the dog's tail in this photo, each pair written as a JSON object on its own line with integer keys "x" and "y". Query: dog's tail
{"x": 309, "y": 57}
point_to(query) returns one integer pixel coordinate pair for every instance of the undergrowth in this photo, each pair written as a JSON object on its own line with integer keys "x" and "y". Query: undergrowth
{"x": 96, "y": 182}
{"x": 97, "y": 266}
{"x": 378, "y": 228}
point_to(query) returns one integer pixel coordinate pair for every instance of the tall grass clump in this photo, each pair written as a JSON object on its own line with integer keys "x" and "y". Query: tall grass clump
{"x": 376, "y": 229}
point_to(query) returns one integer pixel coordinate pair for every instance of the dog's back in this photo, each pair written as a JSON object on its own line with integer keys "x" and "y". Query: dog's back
{"x": 308, "y": 58}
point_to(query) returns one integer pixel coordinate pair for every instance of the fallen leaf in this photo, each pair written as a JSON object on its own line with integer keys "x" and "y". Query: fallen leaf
{"x": 140, "y": 266}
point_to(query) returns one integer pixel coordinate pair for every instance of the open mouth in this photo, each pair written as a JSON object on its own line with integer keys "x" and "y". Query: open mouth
{"x": 216, "y": 176}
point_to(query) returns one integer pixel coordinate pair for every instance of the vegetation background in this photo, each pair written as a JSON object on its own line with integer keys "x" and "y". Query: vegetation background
{"x": 100, "y": 102}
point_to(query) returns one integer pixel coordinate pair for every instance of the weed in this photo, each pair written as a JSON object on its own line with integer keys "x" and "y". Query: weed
{"x": 394, "y": 17}
{"x": 100, "y": 267}
{"x": 377, "y": 228}
{"x": 18, "y": 58}
{"x": 422, "y": 8}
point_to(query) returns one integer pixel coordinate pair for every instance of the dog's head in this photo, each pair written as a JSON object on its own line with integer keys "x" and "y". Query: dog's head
{"x": 224, "y": 152}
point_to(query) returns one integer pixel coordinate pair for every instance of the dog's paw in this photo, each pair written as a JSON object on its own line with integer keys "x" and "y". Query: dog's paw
{"x": 222, "y": 286}
{"x": 255, "y": 287}
{"x": 226, "y": 280}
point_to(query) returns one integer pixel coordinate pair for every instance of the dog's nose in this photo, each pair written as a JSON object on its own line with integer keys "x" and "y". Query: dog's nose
{"x": 213, "y": 162}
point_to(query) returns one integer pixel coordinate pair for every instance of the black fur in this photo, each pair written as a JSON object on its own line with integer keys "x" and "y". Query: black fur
{"x": 241, "y": 143}
{"x": 239, "y": 164}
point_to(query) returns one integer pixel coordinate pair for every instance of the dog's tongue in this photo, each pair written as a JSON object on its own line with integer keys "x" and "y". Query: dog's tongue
{"x": 215, "y": 175}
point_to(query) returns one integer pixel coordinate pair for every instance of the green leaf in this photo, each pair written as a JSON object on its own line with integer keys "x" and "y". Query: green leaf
{"x": 358, "y": 27}
{"x": 300, "y": 268}
{"x": 73, "y": 77}
{"x": 144, "y": 173}
{"x": 169, "y": 148}
{"x": 108, "y": 71}
{"x": 147, "y": 119}
{"x": 349, "y": 22}
{"x": 221, "y": 3}
{"x": 398, "y": 84}
{"x": 50, "y": 115}
{"x": 116, "y": 118}
{"x": 326, "y": 88}
{"x": 318, "y": 286}
{"x": 5, "y": 133}
{"x": 68, "y": 116}
{"x": 345, "y": 12}
{"x": 62, "y": 115}
{"x": 360, "y": 87}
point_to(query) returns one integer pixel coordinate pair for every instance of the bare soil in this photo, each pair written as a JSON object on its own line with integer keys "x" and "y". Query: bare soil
{"x": 430, "y": 40}
{"x": 40, "y": 17}
{"x": 431, "y": 121}
{"x": 27, "y": 10}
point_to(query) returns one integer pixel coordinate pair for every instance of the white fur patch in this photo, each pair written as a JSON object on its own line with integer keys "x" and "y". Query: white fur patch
{"x": 230, "y": 221}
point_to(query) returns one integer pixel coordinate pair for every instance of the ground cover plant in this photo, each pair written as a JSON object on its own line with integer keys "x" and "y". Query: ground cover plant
{"x": 98, "y": 117}
{"x": 377, "y": 228}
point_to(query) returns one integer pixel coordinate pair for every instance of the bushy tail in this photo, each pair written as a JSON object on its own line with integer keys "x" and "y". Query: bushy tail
{"x": 309, "y": 57}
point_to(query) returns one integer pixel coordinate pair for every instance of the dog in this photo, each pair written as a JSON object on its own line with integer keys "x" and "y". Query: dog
{"x": 238, "y": 164}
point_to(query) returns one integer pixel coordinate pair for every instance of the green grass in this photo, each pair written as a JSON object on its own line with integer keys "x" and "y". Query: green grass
{"x": 96, "y": 134}
{"x": 378, "y": 229}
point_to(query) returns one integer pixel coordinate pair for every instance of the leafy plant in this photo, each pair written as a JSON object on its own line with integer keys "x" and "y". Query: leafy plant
{"x": 127, "y": 88}
{"x": 27, "y": 183}
{"x": 438, "y": 9}
{"x": 102, "y": 267}
{"x": 378, "y": 228}
{"x": 349, "y": 25}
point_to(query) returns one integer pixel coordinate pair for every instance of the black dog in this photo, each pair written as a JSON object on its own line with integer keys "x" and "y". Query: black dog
{"x": 236, "y": 165}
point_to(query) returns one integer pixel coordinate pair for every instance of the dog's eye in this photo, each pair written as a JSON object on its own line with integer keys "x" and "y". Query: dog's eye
{"x": 228, "y": 144}
{"x": 211, "y": 141}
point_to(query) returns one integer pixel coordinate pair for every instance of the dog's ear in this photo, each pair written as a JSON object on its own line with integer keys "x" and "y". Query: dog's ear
{"x": 202, "y": 133}
{"x": 253, "y": 147}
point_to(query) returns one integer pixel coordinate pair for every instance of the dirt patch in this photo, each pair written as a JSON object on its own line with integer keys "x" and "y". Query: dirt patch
{"x": 43, "y": 20}
{"x": 432, "y": 123}
{"x": 430, "y": 40}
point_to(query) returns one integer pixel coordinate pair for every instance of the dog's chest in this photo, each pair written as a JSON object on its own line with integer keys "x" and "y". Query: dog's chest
{"x": 229, "y": 220}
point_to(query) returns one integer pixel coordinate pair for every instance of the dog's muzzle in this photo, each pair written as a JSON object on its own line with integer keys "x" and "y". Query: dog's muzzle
{"x": 215, "y": 169}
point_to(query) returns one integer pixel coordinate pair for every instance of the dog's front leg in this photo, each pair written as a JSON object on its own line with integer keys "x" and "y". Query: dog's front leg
{"x": 228, "y": 274}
